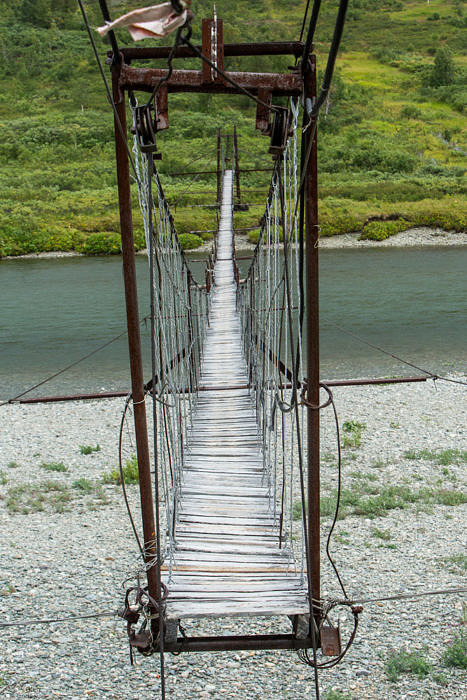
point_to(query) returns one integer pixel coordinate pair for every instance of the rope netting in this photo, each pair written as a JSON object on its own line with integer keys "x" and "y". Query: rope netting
{"x": 180, "y": 312}
{"x": 270, "y": 299}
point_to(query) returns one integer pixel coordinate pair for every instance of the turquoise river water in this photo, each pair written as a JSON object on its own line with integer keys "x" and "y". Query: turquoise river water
{"x": 409, "y": 300}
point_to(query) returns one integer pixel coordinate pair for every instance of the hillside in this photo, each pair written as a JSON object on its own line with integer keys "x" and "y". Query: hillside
{"x": 392, "y": 141}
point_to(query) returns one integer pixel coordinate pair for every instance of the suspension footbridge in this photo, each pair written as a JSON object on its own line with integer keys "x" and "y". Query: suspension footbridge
{"x": 229, "y": 556}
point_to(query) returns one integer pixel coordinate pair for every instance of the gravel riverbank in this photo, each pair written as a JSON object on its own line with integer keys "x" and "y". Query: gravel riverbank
{"x": 421, "y": 236}
{"x": 75, "y": 561}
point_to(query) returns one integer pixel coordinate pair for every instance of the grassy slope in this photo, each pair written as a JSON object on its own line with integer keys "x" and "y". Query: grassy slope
{"x": 381, "y": 151}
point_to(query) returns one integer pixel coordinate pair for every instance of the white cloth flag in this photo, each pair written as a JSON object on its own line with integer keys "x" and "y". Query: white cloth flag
{"x": 154, "y": 21}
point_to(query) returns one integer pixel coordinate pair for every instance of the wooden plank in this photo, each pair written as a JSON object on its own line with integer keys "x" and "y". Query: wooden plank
{"x": 227, "y": 560}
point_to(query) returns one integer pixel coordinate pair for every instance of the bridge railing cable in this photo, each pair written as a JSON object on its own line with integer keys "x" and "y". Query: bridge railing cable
{"x": 179, "y": 317}
{"x": 269, "y": 302}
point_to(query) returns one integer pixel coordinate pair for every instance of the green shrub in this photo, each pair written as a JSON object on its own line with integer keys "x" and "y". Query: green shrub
{"x": 456, "y": 653}
{"x": 353, "y": 430}
{"x": 89, "y": 449}
{"x": 188, "y": 241}
{"x": 410, "y": 112}
{"x": 380, "y": 230}
{"x": 129, "y": 470}
{"x": 101, "y": 244}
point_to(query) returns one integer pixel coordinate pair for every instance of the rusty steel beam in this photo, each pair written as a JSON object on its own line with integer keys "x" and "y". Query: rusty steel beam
{"x": 146, "y": 79}
{"x": 312, "y": 342}
{"x": 134, "y": 338}
{"x": 213, "y": 172}
{"x": 377, "y": 381}
{"x": 238, "y": 643}
{"x": 373, "y": 381}
{"x": 270, "y": 48}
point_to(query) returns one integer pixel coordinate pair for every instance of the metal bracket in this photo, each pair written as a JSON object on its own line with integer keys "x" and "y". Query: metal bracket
{"x": 330, "y": 640}
{"x": 263, "y": 113}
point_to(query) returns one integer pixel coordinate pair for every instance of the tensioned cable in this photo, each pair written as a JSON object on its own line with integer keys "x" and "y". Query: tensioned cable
{"x": 358, "y": 601}
{"x": 430, "y": 375}
{"x": 107, "y": 87}
{"x": 150, "y": 165}
{"x": 302, "y": 30}
{"x": 70, "y": 366}
{"x": 227, "y": 77}
{"x": 52, "y": 621}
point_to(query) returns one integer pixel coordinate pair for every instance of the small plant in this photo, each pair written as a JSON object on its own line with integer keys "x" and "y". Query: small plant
{"x": 381, "y": 534}
{"x": 8, "y": 590}
{"x": 54, "y": 467}
{"x": 83, "y": 485}
{"x": 456, "y": 563}
{"x": 337, "y": 695}
{"x": 3, "y": 478}
{"x": 450, "y": 497}
{"x": 89, "y": 449}
{"x": 455, "y": 655}
{"x": 378, "y": 464}
{"x": 440, "y": 678}
{"x": 129, "y": 471}
{"x": 353, "y": 430}
{"x": 402, "y": 661}
{"x": 12, "y": 465}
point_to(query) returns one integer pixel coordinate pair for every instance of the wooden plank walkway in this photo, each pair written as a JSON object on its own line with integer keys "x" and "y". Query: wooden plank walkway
{"x": 227, "y": 558}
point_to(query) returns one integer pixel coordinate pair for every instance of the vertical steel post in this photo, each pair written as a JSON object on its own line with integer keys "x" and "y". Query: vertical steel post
{"x": 237, "y": 165}
{"x": 134, "y": 340}
{"x": 312, "y": 339}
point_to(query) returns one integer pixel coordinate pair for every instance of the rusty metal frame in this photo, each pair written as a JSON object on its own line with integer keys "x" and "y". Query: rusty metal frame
{"x": 292, "y": 84}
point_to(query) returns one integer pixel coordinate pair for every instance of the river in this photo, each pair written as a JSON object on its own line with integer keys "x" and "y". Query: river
{"x": 411, "y": 301}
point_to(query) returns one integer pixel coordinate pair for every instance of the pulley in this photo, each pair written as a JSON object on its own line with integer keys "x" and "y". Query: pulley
{"x": 279, "y": 130}
{"x": 145, "y": 128}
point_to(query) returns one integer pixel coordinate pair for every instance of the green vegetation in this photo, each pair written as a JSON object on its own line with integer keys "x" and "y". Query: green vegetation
{"x": 32, "y": 498}
{"x": 129, "y": 471}
{"x": 12, "y": 465}
{"x": 456, "y": 563}
{"x": 402, "y": 661}
{"x": 54, "y": 466}
{"x": 89, "y": 449}
{"x": 337, "y": 695}
{"x": 456, "y": 653}
{"x": 381, "y": 534}
{"x": 444, "y": 457}
{"x": 3, "y": 478}
{"x": 53, "y": 496}
{"x": 83, "y": 485}
{"x": 392, "y": 150}
{"x": 371, "y": 500}
{"x": 353, "y": 430}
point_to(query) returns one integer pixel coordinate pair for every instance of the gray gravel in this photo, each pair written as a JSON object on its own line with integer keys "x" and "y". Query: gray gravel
{"x": 54, "y": 564}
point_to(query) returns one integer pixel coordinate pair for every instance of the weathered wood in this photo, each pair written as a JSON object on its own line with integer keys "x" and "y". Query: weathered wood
{"x": 227, "y": 558}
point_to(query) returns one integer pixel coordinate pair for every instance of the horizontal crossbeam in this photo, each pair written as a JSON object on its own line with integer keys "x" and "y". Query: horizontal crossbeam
{"x": 146, "y": 79}
{"x": 239, "y": 643}
{"x": 269, "y": 48}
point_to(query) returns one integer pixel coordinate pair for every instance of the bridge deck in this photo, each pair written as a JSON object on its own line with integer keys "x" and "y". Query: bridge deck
{"x": 227, "y": 558}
